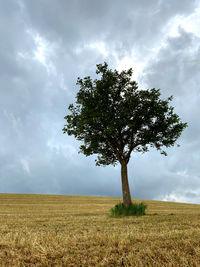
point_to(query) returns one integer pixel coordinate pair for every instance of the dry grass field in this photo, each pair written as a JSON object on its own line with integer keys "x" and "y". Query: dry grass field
{"x": 51, "y": 230}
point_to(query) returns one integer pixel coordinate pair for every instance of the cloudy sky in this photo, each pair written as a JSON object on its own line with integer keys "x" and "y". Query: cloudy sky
{"x": 45, "y": 45}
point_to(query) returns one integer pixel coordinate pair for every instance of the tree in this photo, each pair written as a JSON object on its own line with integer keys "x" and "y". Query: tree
{"x": 114, "y": 118}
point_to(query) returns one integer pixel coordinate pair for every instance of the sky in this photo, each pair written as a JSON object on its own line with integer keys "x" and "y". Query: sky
{"x": 45, "y": 45}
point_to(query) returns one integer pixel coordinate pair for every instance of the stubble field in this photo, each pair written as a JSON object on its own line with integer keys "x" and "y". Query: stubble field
{"x": 51, "y": 230}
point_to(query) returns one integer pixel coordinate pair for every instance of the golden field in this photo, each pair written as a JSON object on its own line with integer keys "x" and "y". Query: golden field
{"x": 52, "y": 230}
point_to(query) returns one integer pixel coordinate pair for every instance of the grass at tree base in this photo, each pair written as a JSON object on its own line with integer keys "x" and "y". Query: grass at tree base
{"x": 135, "y": 209}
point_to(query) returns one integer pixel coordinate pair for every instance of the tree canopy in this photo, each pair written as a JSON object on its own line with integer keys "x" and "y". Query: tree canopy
{"x": 113, "y": 117}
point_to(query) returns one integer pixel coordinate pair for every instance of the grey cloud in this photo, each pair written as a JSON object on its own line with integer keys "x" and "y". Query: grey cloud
{"x": 122, "y": 25}
{"x": 175, "y": 71}
{"x": 176, "y": 67}
{"x": 35, "y": 157}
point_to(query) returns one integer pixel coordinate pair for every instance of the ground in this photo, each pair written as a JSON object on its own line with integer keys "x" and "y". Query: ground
{"x": 51, "y": 230}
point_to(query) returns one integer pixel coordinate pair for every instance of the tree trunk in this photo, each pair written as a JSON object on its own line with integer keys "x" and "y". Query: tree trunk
{"x": 125, "y": 185}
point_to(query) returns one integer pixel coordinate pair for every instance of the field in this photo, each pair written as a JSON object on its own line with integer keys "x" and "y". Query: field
{"x": 51, "y": 230}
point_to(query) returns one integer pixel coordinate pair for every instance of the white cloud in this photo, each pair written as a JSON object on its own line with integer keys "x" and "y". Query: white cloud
{"x": 25, "y": 165}
{"x": 98, "y": 46}
{"x": 42, "y": 52}
{"x": 188, "y": 196}
{"x": 131, "y": 61}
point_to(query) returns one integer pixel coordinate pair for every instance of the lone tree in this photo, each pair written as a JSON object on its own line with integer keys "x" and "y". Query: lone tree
{"x": 113, "y": 118}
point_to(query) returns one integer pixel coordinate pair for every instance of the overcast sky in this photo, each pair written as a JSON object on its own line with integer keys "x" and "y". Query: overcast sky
{"x": 45, "y": 45}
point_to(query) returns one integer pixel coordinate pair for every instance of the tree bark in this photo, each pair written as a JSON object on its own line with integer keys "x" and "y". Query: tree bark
{"x": 125, "y": 185}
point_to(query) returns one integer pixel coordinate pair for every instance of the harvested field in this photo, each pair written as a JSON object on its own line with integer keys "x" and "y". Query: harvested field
{"x": 53, "y": 230}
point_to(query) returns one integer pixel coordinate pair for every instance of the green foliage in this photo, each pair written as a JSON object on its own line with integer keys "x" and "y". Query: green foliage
{"x": 113, "y": 117}
{"x": 135, "y": 209}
